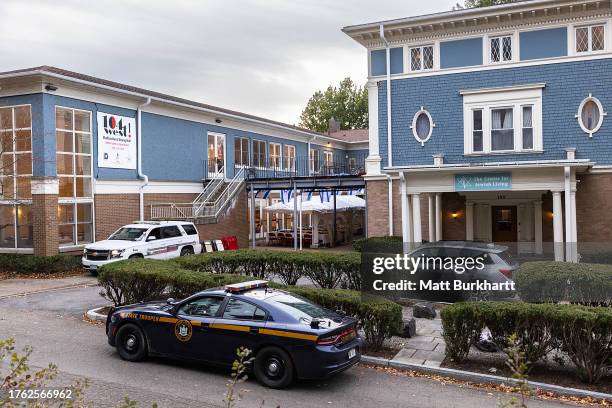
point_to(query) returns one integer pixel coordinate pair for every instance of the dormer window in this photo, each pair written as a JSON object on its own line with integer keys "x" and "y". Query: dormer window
{"x": 421, "y": 58}
{"x": 591, "y": 38}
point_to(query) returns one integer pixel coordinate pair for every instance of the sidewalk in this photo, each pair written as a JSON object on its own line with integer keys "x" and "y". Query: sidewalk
{"x": 427, "y": 347}
{"x": 18, "y": 287}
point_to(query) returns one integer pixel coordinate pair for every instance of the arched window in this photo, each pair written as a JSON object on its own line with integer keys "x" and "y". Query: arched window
{"x": 590, "y": 115}
{"x": 422, "y": 126}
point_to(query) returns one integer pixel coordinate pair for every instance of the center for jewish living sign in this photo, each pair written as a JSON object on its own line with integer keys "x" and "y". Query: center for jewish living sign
{"x": 483, "y": 181}
{"x": 116, "y": 141}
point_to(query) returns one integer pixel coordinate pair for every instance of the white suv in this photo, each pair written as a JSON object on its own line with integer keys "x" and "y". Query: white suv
{"x": 155, "y": 240}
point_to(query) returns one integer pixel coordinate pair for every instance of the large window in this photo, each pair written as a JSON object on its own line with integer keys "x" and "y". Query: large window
{"x": 591, "y": 38}
{"x": 74, "y": 166}
{"x": 241, "y": 151}
{"x": 313, "y": 156}
{"x": 500, "y": 49}
{"x": 422, "y": 58}
{"x": 275, "y": 155}
{"x": 289, "y": 157}
{"x": 503, "y": 122}
{"x": 259, "y": 153}
{"x": 15, "y": 177}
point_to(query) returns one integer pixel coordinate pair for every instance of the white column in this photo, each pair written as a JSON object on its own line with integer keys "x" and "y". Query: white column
{"x": 537, "y": 226}
{"x": 469, "y": 221}
{"x": 373, "y": 160}
{"x": 431, "y": 218}
{"x": 574, "y": 240}
{"x": 406, "y": 235}
{"x": 557, "y": 226}
{"x": 569, "y": 251}
{"x": 315, "y": 230}
{"x": 416, "y": 219}
{"x": 438, "y": 216}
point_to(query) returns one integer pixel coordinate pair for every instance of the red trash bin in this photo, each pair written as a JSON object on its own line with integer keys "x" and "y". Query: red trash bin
{"x": 230, "y": 243}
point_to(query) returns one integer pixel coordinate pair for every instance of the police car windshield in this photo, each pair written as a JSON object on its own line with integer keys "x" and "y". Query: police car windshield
{"x": 128, "y": 234}
{"x": 299, "y": 308}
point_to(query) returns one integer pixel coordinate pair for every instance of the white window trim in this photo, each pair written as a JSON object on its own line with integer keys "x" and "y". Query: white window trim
{"x": 327, "y": 153}
{"x": 312, "y": 153}
{"x": 601, "y": 115}
{"x": 241, "y": 138}
{"x": 413, "y": 126}
{"x": 503, "y": 98}
{"x": 79, "y": 200}
{"x": 571, "y": 38}
{"x": 280, "y": 155}
{"x": 421, "y": 46}
{"x": 514, "y": 35}
{"x": 290, "y": 148}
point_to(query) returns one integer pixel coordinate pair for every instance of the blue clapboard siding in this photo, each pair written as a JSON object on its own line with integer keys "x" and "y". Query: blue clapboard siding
{"x": 378, "y": 61}
{"x": 461, "y": 53}
{"x": 546, "y": 43}
{"x": 567, "y": 84}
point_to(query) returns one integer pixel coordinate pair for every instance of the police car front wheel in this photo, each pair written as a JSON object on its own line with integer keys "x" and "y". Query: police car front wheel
{"x": 131, "y": 343}
{"x": 273, "y": 367}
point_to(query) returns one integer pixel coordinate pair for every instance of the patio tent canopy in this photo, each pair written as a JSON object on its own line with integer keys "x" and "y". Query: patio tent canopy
{"x": 343, "y": 203}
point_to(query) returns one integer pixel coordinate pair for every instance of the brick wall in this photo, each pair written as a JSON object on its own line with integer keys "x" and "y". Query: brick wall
{"x": 44, "y": 219}
{"x": 593, "y": 215}
{"x": 115, "y": 210}
{"x": 453, "y": 228}
{"x": 378, "y": 208}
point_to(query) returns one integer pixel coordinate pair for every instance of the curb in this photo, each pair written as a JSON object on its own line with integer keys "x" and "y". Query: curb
{"x": 94, "y": 315}
{"x": 480, "y": 378}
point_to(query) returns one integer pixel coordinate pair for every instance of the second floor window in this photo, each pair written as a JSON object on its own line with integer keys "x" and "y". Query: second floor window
{"x": 421, "y": 58}
{"x": 590, "y": 38}
{"x": 241, "y": 151}
{"x": 314, "y": 160}
{"x": 259, "y": 153}
{"x": 289, "y": 157}
{"x": 275, "y": 155}
{"x": 501, "y": 49}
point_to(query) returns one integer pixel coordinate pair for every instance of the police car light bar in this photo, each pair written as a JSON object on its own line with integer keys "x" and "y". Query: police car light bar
{"x": 241, "y": 287}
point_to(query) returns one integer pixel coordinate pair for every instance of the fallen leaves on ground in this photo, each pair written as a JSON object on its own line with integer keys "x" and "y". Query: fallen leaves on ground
{"x": 545, "y": 395}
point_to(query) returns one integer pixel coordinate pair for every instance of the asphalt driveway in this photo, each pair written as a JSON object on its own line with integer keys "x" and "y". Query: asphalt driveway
{"x": 52, "y": 323}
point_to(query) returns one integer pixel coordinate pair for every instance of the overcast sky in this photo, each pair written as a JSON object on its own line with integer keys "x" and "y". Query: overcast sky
{"x": 262, "y": 57}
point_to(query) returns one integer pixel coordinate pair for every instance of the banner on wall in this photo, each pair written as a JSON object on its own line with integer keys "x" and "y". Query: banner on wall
{"x": 116, "y": 141}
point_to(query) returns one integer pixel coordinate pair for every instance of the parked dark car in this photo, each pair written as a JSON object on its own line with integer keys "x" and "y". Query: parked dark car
{"x": 289, "y": 336}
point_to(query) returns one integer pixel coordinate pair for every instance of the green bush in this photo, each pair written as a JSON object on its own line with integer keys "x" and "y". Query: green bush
{"x": 584, "y": 333}
{"x": 580, "y": 283}
{"x": 132, "y": 281}
{"x": 325, "y": 269}
{"x": 24, "y": 264}
{"x": 388, "y": 243}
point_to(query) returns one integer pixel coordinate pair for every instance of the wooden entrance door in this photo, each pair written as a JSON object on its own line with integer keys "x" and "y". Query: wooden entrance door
{"x": 504, "y": 224}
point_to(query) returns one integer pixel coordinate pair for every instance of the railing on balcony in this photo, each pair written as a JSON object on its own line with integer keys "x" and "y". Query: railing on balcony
{"x": 305, "y": 167}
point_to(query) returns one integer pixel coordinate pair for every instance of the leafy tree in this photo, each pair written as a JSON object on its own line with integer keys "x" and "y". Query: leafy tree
{"x": 347, "y": 103}
{"x": 480, "y": 3}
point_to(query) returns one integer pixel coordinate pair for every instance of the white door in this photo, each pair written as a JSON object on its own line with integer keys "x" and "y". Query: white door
{"x": 216, "y": 155}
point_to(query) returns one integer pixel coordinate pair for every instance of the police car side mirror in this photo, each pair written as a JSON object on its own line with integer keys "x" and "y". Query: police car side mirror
{"x": 170, "y": 301}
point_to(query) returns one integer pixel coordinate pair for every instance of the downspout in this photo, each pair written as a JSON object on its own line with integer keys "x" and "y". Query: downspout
{"x": 141, "y": 176}
{"x": 390, "y": 196}
{"x": 388, "y": 62}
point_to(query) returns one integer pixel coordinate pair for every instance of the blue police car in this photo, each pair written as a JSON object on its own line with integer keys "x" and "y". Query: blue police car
{"x": 290, "y": 337}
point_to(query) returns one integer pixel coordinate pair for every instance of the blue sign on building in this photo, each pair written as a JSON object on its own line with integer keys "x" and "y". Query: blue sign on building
{"x": 483, "y": 181}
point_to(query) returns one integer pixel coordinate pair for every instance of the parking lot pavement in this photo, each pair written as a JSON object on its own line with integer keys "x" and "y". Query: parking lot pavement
{"x": 16, "y": 287}
{"x": 50, "y": 322}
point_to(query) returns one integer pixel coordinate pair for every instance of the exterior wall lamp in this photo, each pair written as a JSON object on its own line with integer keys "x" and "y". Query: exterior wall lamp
{"x": 51, "y": 88}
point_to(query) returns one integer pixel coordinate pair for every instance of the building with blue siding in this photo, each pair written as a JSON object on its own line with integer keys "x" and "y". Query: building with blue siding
{"x": 82, "y": 156}
{"x": 491, "y": 124}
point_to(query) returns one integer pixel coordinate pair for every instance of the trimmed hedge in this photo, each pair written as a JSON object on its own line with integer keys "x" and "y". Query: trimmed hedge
{"x": 24, "y": 264}
{"x": 553, "y": 282}
{"x": 583, "y": 333}
{"x": 325, "y": 269}
{"x": 391, "y": 243}
{"x": 132, "y": 281}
